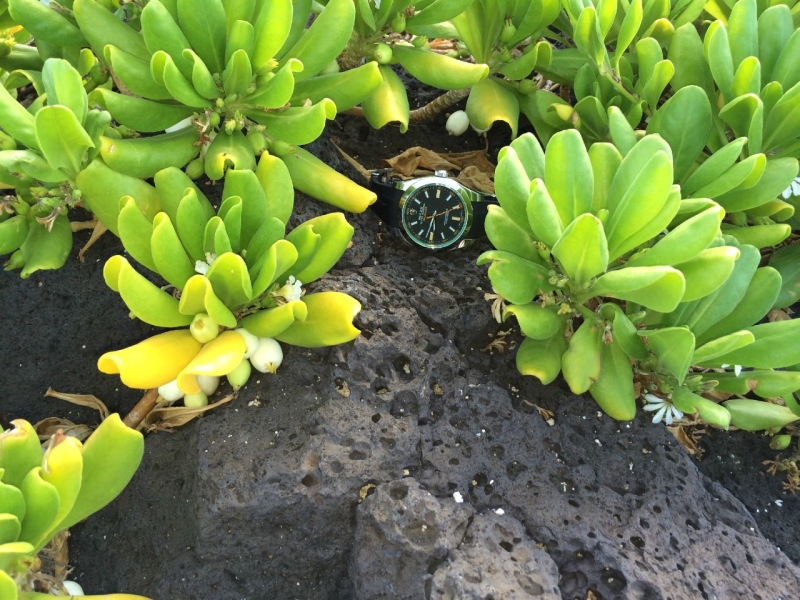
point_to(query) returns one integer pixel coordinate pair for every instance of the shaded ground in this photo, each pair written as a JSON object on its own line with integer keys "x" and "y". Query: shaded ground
{"x": 274, "y": 514}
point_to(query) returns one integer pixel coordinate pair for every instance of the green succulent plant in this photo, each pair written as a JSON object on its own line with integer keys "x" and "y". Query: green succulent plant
{"x": 603, "y": 295}
{"x": 42, "y": 494}
{"x": 45, "y": 148}
{"x": 222, "y": 75}
{"x": 230, "y": 269}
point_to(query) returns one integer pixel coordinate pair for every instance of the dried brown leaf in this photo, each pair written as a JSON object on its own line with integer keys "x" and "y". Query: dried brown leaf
{"x": 87, "y": 400}
{"x": 99, "y": 229}
{"x": 364, "y": 172}
{"x": 168, "y": 418}
{"x": 46, "y": 428}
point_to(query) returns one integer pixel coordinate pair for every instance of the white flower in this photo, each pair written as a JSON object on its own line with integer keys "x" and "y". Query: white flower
{"x": 793, "y": 189}
{"x": 292, "y": 290}
{"x": 663, "y": 407}
{"x": 179, "y": 125}
{"x": 201, "y": 266}
{"x": 737, "y": 369}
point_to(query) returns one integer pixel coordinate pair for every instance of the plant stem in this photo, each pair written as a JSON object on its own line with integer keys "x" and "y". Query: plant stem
{"x": 138, "y": 413}
{"x": 438, "y": 105}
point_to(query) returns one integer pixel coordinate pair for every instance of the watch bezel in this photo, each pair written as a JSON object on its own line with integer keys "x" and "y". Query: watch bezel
{"x": 465, "y": 194}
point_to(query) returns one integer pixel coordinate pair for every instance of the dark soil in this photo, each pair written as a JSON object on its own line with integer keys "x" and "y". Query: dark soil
{"x": 58, "y": 323}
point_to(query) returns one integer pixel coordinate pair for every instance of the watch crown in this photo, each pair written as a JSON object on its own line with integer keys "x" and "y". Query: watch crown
{"x": 440, "y": 173}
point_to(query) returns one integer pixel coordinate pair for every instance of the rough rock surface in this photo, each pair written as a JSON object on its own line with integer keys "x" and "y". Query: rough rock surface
{"x": 261, "y": 498}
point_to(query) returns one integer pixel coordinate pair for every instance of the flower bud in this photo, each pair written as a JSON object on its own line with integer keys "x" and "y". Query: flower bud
{"x": 780, "y": 442}
{"x": 170, "y": 391}
{"x": 250, "y": 340}
{"x": 208, "y": 383}
{"x": 73, "y": 588}
{"x": 258, "y": 141}
{"x": 239, "y": 376}
{"x": 213, "y": 119}
{"x": 526, "y": 86}
{"x": 268, "y": 357}
{"x": 204, "y": 328}
{"x": 457, "y": 123}
{"x": 419, "y": 41}
{"x": 331, "y": 68}
{"x": 508, "y": 32}
{"x": 505, "y": 55}
{"x": 195, "y": 168}
{"x": 399, "y": 22}
{"x": 195, "y": 400}
{"x": 382, "y": 54}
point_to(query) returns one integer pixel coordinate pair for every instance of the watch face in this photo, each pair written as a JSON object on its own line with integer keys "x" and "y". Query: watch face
{"x": 434, "y": 215}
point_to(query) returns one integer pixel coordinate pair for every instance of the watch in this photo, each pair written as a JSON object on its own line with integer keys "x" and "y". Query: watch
{"x": 435, "y": 212}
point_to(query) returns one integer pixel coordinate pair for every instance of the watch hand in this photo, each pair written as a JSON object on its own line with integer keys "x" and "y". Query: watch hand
{"x": 433, "y": 220}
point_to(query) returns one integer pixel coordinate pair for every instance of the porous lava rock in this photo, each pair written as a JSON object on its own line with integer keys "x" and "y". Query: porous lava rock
{"x": 262, "y": 498}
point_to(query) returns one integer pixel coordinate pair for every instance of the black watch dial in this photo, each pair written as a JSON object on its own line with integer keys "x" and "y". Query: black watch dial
{"x": 434, "y": 216}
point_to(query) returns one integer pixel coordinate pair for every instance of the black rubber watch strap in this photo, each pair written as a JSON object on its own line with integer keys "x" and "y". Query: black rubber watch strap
{"x": 479, "y": 212}
{"x": 387, "y": 206}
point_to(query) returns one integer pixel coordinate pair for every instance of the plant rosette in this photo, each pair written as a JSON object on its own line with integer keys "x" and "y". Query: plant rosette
{"x": 43, "y": 150}
{"x": 604, "y": 296}
{"x": 42, "y": 494}
{"x": 219, "y": 78}
{"x": 237, "y": 281}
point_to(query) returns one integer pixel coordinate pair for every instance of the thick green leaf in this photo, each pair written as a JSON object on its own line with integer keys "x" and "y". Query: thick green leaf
{"x": 673, "y": 347}
{"x": 637, "y": 199}
{"x": 191, "y": 222}
{"x": 568, "y": 175}
{"x": 690, "y": 403}
{"x": 684, "y": 121}
{"x": 62, "y": 139}
{"x": 786, "y": 261}
{"x": 203, "y": 23}
{"x": 684, "y": 242}
{"x": 169, "y": 256}
{"x": 724, "y": 345}
{"x": 755, "y": 415}
{"x": 134, "y": 232}
{"x": 581, "y": 250}
{"x": 146, "y": 301}
{"x": 708, "y": 270}
{"x": 488, "y": 102}
{"x": 329, "y": 321}
{"x": 774, "y": 347}
{"x": 718, "y": 54}
{"x": 198, "y": 297}
{"x": 63, "y": 85}
{"x": 535, "y": 321}
{"x": 580, "y": 364}
{"x": 543, "y": 215}
{"x": 514, "y": 278}
{"x": 743, "y": 31}
{"x": 745, "y": 115}
{"x": 714, "y": 167}
{"x": 512, "y": 186}
{"x": 230, "y": 280}
{"x": 613, "y": 389}
{"x": 506, "y": 235}
{"x": 713, "y": 309}
{"x": 778, "y": 175}
{"x": 44, "y": 249}
{"x": 335, "y": 235}
{"x": 111, "y": 456}
{"x": 658, "y": 288}
{"x": 541, "y": 358}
